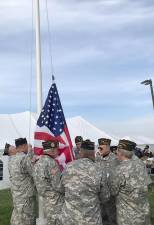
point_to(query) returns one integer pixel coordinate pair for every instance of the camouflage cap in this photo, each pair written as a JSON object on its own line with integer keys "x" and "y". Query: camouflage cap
{"x": 88, "y": 145}
{"x": 87, "y": 140}
{"x": 78, "y": 139}
{"x": 48, "y": 145}
{"x": 146, "y": 147}
{"x": 6, "y": 149}
{"x": 20, "y": 141}
{"x": 104, "y": 141}
{"x": 126, "y": 145}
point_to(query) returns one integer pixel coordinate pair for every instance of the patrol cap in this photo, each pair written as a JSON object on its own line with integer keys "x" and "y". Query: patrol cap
{"x": 78, "y": 139}
{"x": 126, "y": 145}
{"x": 146, "y": 147}
{"x": 20, "y": 141}
{"x": 104, "y": 141}
{"x": 49, "y": 145}
{"x": 6, "y": 149}
{"x": 87, "y": 140}
{"x": 88, "y": 145}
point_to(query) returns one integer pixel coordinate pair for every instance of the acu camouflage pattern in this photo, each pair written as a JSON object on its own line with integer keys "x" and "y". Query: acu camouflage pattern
{"x": 22, "y": 189}
{"x": 46, "y": 187}
{"x": 129, "y": 184}
{"x": 141, "y": 164}
{"x": 110, "y": 161}
{"x": 84, "y": 187}
{"x": 108, "y": 164}
{"x": 126, "y": 145}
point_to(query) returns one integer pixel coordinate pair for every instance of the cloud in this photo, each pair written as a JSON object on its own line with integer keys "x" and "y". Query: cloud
{"x": 102, "y": 50}
{"x": 136, "y": 127}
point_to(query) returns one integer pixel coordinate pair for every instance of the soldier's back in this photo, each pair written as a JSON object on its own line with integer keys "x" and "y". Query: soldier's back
{"x": 22, "y": 189}
{"x": 43, "y": 177}
{"x": 131, "y": 201}
{"x": 21, "y": 181}
{"x": 82, "y": 186}
{"x": 52, "y": 199}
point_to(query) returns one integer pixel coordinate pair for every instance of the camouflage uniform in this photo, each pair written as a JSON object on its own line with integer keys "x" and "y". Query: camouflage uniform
{"x": 108, "y": 163}
{"x": 98, "y": 157}
{"x": 141, "y": 164}
{"x": 46, "y": 187}
{"x": 84, "y": 187}
{"x": 129, "y": 184}
{"x": 22, "y": 189}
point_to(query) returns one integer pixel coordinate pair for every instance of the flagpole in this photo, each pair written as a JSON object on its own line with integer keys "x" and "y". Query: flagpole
{"x": 41, "y": 220}
{"x": 38, "y": 57}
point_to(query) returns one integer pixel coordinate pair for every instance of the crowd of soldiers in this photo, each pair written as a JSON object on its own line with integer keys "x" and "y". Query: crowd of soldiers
{"x": 98, "y": 188}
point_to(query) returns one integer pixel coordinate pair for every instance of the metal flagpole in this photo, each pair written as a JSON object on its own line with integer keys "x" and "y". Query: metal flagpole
{"x": 38, "y": 57}
{"x": 41, "y": 220}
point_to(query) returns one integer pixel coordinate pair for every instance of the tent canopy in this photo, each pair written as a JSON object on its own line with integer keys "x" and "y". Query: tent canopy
{"x": 23, "y": 125}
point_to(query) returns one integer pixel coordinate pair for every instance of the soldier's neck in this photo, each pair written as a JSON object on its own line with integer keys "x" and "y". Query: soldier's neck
{"x": 48, "y": 155}
{"x": 107, "y": 154}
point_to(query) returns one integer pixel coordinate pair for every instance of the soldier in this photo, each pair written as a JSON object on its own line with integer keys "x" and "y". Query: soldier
{"x": 140, "y": 163}
{"x": 83, "y": 185}
{"x": 130, "y": 186}
{"x": 107, "y": 161}
{"x": 105, "y": 157}
{"x": 78, "y": 142}
{"x": 22, "y": 185}
{"x": 46, "y": 182}
{"x": 9, "y": 150}
{"x": 146, "y": 152}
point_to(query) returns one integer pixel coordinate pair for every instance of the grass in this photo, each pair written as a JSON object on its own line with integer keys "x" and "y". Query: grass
{"x": 6, "y": 206}
{"x": 151, "y": 200}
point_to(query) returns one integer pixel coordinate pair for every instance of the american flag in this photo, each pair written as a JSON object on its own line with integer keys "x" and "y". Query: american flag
{"x": 52, "y": 125}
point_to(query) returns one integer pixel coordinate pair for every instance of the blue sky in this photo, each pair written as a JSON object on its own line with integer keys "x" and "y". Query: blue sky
{"x": 102, "y": 50}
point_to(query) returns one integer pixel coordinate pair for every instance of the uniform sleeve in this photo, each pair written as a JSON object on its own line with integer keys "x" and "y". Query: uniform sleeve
{"x": 104, "y": 188}
{"x": 41, "y": 177}
{"x": 116, "y": 181}
{"x": 55, "y": 179}
{"x": 26, "y": 165}
{"x": 59, "y": 183}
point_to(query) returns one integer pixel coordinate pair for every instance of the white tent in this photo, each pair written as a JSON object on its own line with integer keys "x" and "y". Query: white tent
{"x": 140, "y": 140}
{"x": 23, "y": 125}
{"x": 16, "y": 125}
{"x": 79, "y": 126}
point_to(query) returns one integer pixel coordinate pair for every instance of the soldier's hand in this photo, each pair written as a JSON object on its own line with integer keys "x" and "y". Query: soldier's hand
{"x": 54, "y": 171}
{"x": 30, "y": 147}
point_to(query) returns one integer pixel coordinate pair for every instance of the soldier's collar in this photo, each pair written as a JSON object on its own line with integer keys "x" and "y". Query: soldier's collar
{"x": 48, "y": 155}
{"x": 104, "y": 156}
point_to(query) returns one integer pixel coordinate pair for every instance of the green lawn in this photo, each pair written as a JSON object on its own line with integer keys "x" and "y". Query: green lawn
{"x": 6, "y": 206}
{"x": 151, "y": 199}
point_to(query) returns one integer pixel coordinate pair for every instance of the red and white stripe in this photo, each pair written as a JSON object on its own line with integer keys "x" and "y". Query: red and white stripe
{"x": 65, "y": 145}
